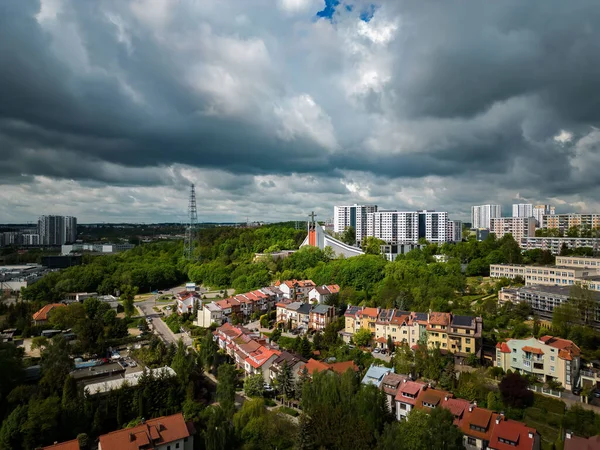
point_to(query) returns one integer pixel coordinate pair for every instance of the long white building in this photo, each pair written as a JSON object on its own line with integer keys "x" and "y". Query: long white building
{"x": 454, "y": 231}
{"x": 522, "y": 210}
{"x": 481, "y": 215}
{"x": 352, "y": 216}
{"x": 409, "y": 226}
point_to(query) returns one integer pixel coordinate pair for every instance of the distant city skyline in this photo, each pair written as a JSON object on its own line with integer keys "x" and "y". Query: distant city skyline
{"x": 276, "y": 109}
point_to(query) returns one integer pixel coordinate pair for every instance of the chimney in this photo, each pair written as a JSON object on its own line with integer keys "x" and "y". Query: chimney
{"x": 475, "y": 404}
{"x": 530, "y": 434}
{"x": 446, "y": 398}
{"x": 568, "y": 435}
{"x": 470, "y": 408}
{"x": 500, "y": 417}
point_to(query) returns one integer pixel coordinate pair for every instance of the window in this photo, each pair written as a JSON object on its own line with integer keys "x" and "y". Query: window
{"x": 552, "y": 358}
{"x": 551, "y": 368}
{"x": 168, "y": 447}
{"x": 514, "y": 359}
{"x": 468, "y": 340}
{"x": 177, "y": 445}
{"x": 472, "y": 441}
{"x": 468, "y": 349}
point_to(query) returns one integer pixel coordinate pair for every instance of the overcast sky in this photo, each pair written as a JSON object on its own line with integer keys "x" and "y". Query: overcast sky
{"x": 109, "y": 109}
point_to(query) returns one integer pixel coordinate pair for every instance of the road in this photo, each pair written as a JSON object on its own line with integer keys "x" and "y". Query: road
{"x": 159, "y": 327}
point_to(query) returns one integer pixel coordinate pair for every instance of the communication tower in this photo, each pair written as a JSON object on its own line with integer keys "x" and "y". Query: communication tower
{"x": 190, "y": 232}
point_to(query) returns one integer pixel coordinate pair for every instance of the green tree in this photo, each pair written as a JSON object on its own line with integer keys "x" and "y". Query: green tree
{"x": 372, "y": 245}
{"x": 404, "y": 360}
{"x": 254, "y": 385}
{"x": 56, "y": 364}
{"x": 349, "y": 236}
{"x": 227, "y": 380}
{"x": 128, "y": 294}
{"x": 362, "y": 337}
{"x": 390, "y": 344}
{"x": 11, "y": 436}
{"x": 564, "y": 317}
{"x": 583, "y": 300}
{"x": 515, "y": 392}
{"x": 285, "y": 381}
{"x": 208, "y": 351}
{"x": 305, "y": 348}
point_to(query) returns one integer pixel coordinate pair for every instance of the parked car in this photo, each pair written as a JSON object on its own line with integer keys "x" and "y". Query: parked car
{"x": 376, "y": 350}
{"x": 268, "y": 387}
{"x": 576, "y": 391}
{"x": 168, "y": 308}
{"x": 597, "y": 394}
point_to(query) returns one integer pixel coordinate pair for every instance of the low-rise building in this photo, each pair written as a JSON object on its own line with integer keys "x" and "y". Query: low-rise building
{"x": 186, "y": 302}
{"x": 79, "y": 297}
{"x": 375, "y": 375}
{"x": 293, "y": 361}
{"x": 406, "y": 397}
{"x": 164, "y": 433}
{"x": 555, "y": 244}
{"x": 296, "y": 289}
{"x": 507, "y": 295}
{"x": 547, "y": 358}
{"x": 41, "y": 317}
{"x": 321, "y": 293}
{"x": 509, "y": 434}
{"x": 548, "y": 275}
{"x": 321, "y": 316}
{"x": 573, "y": 442}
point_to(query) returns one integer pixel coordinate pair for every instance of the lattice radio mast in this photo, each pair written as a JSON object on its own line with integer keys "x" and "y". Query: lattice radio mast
{"x": 190, "y": 232}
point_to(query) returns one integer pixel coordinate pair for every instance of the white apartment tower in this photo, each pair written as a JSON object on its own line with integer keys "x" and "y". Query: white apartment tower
{"x": 539, "y": 211}
{"x": 522, "y": 210}
{"x": 481, "y": 215}
{"x": 352, "y": 216}
{"x": 433, "y": 226}
{"x": 57, "y": 230}
{"x": 394, "y": 226}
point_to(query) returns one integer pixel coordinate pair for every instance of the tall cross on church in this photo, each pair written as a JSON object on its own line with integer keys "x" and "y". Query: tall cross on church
{"x": 312, "y": 216}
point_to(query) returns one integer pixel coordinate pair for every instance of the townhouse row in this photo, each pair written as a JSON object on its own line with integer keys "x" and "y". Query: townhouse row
{"x": 482, "y": 428}
{"x": 304, "y": 316}
{"x": 260, "y": 300}
{"x": 461, "y": 335}
{"x": 253, "y": 354}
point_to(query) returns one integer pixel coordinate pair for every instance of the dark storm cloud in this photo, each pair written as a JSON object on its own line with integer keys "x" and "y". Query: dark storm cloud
{"x": 99, "y": 95}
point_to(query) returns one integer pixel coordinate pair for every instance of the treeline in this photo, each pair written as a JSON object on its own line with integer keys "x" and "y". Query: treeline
{"x": 151, "y": 266}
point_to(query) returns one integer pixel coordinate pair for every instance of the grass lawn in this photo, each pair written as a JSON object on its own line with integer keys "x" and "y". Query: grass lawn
{"x": 471, "y": 298}
{"x": 289, "y": 411}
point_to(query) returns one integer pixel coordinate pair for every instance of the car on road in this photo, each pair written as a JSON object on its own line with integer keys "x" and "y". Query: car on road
{"x": 577, "y": 391}
{"x": 597, "y": 394}
{"x": 149, "y": 320}
{"x": 376, "y": 350}
{"x": 168, "y": 308}
{"x": 124, "y": 364}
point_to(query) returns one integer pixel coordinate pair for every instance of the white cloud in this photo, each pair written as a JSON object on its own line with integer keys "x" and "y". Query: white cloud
{"x": 563, "y": 137}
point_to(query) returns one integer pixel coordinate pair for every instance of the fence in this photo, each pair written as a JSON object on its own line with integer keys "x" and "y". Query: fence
{"x": 546, "y": 391}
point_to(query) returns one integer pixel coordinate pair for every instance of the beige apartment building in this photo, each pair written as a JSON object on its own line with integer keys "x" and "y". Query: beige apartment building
{"x": 547, "y": 358}
{"x": 565, "y": 221}
{"x": 578, "y": 261}
{"x": 519, "y": 227}
{"x": 548, "y": 275}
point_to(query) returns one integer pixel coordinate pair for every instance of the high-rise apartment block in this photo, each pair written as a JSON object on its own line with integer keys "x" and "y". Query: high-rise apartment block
{"x": 394, "y": 226}
{"x": 539, "y": 211}
{"x": 352, "y": 216}
{"x": 57, "y": 230}
{"x": 519, "y": 227}
{"x": 408, "y": 226}
{"x": 481, "y": 215}
{"x": 522, "y": 210}
{"x": 454, "y": 231}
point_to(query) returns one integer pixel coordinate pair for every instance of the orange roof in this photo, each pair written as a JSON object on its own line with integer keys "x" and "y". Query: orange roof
{"x": 528, "y": 349}
{"x": 153, "y": 433}
{"x": 411, "y": 388}
{"x": 381, "y": 340}
{"x": 370, "y": 312}
{"x": 68, "y": 445}
{"x": 333, "y": 288}
{"x": 260, "y": 356}
{"x": 457, "y": 406}
{"x": 341, "y": 367}
{"x": 563, "y": 345}
{"x": 313, "y": 366}
{"x": 42, "y": 314}
{"x": 439, "y": 318}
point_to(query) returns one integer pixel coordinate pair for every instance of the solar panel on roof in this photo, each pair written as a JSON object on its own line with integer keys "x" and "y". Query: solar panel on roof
{"x": 465, "y": 321}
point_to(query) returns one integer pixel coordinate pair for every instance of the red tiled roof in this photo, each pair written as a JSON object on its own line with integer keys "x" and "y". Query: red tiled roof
{"x": 381, "y": 340}
{"x": 567, "y": 349}
{"x": 504, "y": 348}
{"x": 411, "y": 388}
{"x": 313, "y": 366}
{"x": 42, "y": 314}
{"x": 260, "y": 356}
{"x": 155, "y": 432}
{"x": 457, "y": 406}
{"x": 333, "y": 288}
{"x": 68, "y": 445}
{"x": 580, "y": 443}
{"x": 479, "y": 417}
{"x": 514, "y": 431}
{"x": 341, "y": 367}
{"x": 430, "y": 396}
{"x": 528, "y": 349}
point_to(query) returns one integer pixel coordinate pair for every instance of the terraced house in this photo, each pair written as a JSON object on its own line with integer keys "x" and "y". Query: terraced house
{"x": 460, "y": 335}
{"x": 548, "y": 358}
